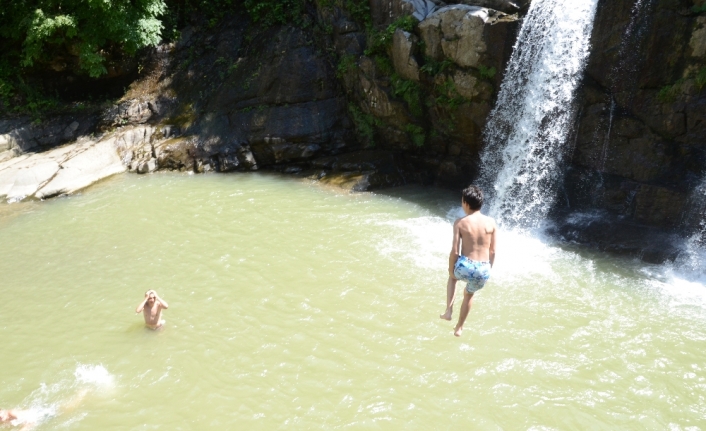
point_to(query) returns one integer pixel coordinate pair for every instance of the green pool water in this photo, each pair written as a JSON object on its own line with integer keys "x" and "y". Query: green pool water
{"x": 295, "y": 306}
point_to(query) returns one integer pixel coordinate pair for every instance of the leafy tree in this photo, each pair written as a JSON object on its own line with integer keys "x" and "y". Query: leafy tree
{"x": 40, "y": 31}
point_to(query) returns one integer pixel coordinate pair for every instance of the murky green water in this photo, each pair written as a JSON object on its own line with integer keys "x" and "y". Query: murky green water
{"x": 299, "y": 307}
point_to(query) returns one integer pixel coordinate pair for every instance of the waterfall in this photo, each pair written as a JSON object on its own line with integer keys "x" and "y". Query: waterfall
{"x": 527, "y": 132}
{"x": 693, "y": 256}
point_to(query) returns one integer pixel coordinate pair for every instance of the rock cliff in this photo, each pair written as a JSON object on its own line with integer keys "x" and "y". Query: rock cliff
{"x": 640, "y": 137}
{"x": 401, "y": 94}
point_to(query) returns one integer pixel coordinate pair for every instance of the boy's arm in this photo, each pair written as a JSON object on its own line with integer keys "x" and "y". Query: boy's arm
{"x": 455, "y": 245}
{"x": 141, "y": 306}
{"x": 493, "y": 244}
{"x": 161, "y": 301}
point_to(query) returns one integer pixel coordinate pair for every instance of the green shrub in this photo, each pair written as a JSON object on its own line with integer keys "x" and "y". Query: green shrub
{"x": 270, "y": 12}
{"x": 434, "y": 67}
{"x": 416, "y": 134}
{"x": 700, "y": 79}
{"x": 409, "y": 91}
{"x": 360, "y": 11}
{"x": 669, "y": 93}
{"x": 699, "y": 9}
{"x": 347, "y": 63}
{"x": 364, "y": 123}
{"x": 486, "y": 73}
{"x": 384, "y": 65}
{"x": 380, "y": 40}
{"x": 37, "y": 31}
{"x": 448, "y": 96}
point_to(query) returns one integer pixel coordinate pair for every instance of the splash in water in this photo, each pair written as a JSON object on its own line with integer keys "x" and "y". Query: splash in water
{"x": 94, "y": 374}
{"x": 527, "y": 131}
{"x": 51, "y": 401}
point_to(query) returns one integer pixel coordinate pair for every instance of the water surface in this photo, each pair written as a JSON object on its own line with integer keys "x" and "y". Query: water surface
{"x": 294, "y": 306}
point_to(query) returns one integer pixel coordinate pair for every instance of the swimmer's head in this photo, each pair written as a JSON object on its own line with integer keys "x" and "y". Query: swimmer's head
{"x": 473, "y": 197}
{"x": 151, "y": 295}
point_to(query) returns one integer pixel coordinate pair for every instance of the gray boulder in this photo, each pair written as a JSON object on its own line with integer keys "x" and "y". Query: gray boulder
{"x": 403, "y": 55}
{"x": 458, "y": 32}
{"x": 96, "y": 162}
{"x": 59, "y": 171}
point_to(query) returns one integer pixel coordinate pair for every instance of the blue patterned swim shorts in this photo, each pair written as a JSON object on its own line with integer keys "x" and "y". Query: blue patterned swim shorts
{"x": 473, "y": 272}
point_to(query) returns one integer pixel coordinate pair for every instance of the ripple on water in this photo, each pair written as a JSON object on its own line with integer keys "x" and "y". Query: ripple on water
{"x": 299, "y": 306}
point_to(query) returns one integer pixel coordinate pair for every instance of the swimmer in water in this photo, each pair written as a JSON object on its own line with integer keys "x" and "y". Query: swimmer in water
{"x": 151, "y": 308}
{"x": 29, "y": 418}
{"x": 17, "y": 417}
{"x": 472, "y": 254}
{"x": 10, "y": 415}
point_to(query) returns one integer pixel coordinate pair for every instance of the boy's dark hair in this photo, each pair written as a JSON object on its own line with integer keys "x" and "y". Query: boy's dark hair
{"x": 473, "y": 196}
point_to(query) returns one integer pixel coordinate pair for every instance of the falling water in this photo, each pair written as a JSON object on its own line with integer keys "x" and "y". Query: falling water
{"x": 693, "y": 258}
{"x": 527, "y": 132}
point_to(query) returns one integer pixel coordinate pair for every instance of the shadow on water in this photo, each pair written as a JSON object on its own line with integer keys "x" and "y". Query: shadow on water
{"x": 436, "y": 200}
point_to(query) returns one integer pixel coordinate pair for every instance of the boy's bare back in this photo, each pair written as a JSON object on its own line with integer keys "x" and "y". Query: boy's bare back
{"x": 477, "y": 235}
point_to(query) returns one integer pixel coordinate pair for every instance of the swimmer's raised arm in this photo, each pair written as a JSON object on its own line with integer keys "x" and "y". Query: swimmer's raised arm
{"x": 142, "y": 304}
{"x": 161, "y": 301}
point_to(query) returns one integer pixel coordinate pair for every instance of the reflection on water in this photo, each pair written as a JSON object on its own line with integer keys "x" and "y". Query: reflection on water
{"x": 308, "y": 308}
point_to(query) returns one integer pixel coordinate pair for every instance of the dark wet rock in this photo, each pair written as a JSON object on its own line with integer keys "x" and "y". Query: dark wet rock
{"x": 611, "y": 234}
{"x": 659, "y": 206}
{"x": 176, "y": 154}
{"x": 639, "y": 147}
{"x": 128, "y": 112}
{"x": 23, "y": 134}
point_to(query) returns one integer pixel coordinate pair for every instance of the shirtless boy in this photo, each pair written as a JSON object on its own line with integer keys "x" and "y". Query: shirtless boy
{"x": 474, "y": 237}
{"x": 152, "y": 307}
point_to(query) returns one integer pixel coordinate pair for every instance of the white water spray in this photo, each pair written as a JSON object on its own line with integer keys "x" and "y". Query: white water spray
{"x": 692, "y": 260}
{"x": 526, "y": 135}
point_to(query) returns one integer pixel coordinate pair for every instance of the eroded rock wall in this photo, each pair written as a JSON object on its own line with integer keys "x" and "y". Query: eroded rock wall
{"x": 426, "y": 96}
{"x": 641, "y": 137}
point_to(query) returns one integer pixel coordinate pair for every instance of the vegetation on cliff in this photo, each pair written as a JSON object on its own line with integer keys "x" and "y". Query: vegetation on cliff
{"x": 97, "y": 39}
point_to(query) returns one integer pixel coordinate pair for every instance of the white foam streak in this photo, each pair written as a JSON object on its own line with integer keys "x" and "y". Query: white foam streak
{"x": 527, "y": 258}
{"x": 53, "y": 399}
{"x": 527, "y": 131}
{"x": 424, "y": 241}
{"x": 94, "y": 374}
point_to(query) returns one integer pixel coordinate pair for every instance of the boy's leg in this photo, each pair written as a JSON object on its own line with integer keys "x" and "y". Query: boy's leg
{"x": 465, "y": 308}
{"x": 450, "y": 295}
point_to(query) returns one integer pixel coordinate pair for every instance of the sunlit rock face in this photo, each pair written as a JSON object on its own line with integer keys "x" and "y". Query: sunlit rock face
{"x": 459, "y": 33}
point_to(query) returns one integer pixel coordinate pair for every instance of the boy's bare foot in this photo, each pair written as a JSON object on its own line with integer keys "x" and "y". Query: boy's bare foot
{"x": 458, "y": 331}
{"x": 446, "y": 316}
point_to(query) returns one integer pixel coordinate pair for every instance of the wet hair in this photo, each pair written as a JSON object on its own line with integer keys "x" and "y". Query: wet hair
{"x": 473, "y": 196}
